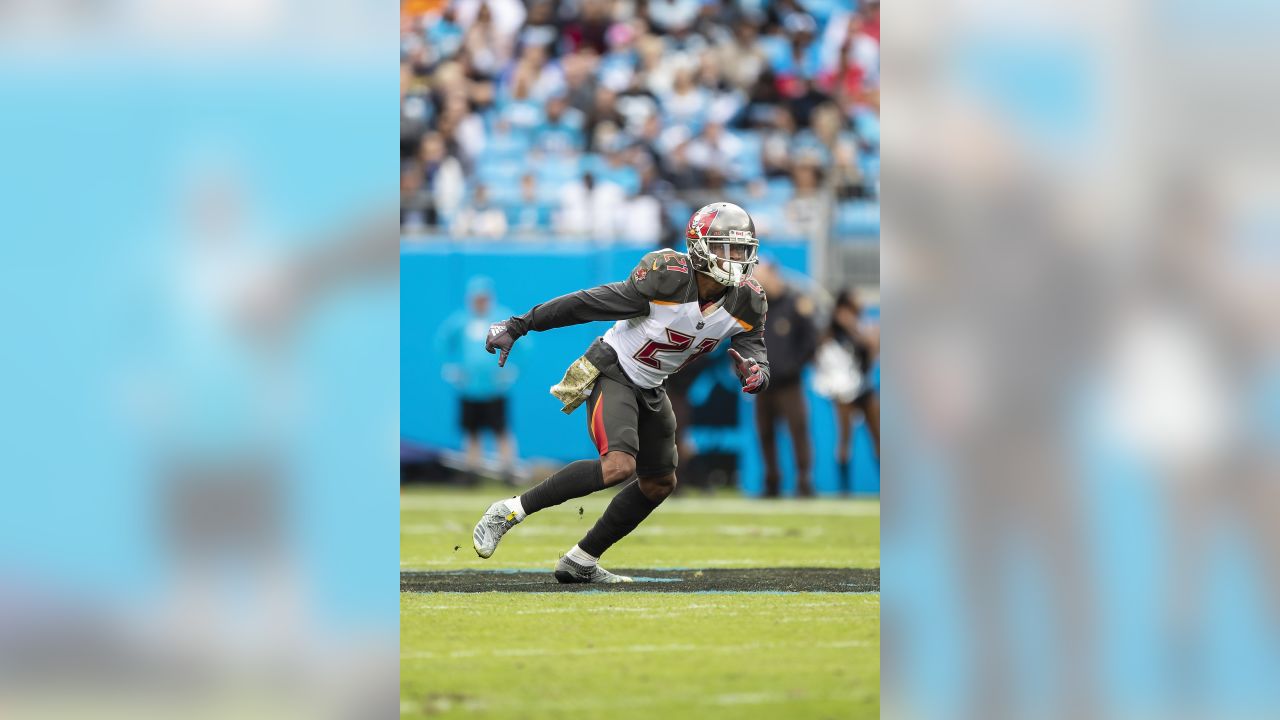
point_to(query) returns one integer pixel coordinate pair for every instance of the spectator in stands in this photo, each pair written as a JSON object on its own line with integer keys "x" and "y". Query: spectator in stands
{"x": 587, "y": 27}
{"x": 687, "y": 103}
{"x": 488, "y": 43}
{"x": 588, "y": 209}
{"x": 742, "y": 59}
{"x": 682, "y": 81}
{"x": 506, "y": 16}
{"x": 540, "y": 28}
{"x": 636, "y": 104}
{"x": 792, "y": 339}
{"x": 802, "y": 62}
{"x": 481, "y": 386}
{"x": 642, "y": 218}
{"x": 716, "y": 151}
{"x": 804, "y": 210}
{"x": 670, "y": 16}
{"x": 444, "y": 37}
{"x": 775, "y": 150}
{"x": 841, "y": 150}
{"x": 545, "y": 79}
{"x": 850, "y": 51}
{"x": 580, "y": 75}
{"x": 417, "y": 211}
{"x": 656, "y": 72}
{"x": 531, "y": 214}
{"x": 678, "y": 170}
{"x": 561, "y": 132}
{"x": 519, "y": 109}
{"x": 462, "y": 126}
{"x": 481, "y": 218}
{"x": 603, "y": 118}
{"x": 441, "y": 175}
{"x": 786, "y": 14}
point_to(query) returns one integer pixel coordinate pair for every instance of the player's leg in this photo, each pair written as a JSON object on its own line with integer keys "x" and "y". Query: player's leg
{"x": 766, "y": 422}
{"x": 870, "y": 404}
{"x": 633, "y": 503}
{"x": 611, "y": 423}
{"x": 796, "y": 412}
{"x": 503, "y": 439}
{"x": 470, "y": 413}
{"x": 844, "y": 444}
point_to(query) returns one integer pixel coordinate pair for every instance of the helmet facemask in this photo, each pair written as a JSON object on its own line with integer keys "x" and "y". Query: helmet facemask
{"x": 728, "y": 259}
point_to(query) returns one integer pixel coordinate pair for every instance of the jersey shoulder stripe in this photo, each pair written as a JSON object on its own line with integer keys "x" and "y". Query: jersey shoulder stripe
{"x": 747, "y": 304}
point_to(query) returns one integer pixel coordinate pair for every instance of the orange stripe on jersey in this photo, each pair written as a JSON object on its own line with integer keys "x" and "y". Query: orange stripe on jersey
{"x": 664, "y": 302}
{"x": 744, "y": 325}
{"x": 596, "y": 428}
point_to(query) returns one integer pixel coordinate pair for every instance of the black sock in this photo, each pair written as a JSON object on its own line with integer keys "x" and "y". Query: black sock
{"x": 845, "y": 480}
{"x": 574, "y": 480}
{"x": 628, "y": 509}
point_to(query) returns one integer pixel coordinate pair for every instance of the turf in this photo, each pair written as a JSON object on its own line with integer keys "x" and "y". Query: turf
{"x": 684, "y": 532}
{"x": 643, "y": 654}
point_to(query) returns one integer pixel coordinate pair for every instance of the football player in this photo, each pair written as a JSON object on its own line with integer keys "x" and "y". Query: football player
{"x": 673, "y": 307}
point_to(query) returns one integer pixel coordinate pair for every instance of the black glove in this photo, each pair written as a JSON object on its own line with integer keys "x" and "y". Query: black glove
{"x": 749, "y": 372}
{"x": 501, "y": 337}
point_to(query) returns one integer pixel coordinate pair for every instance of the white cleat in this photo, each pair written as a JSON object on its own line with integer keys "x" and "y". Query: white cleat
{"x": 495, "y": 523}
{"x": 568, "y": 571}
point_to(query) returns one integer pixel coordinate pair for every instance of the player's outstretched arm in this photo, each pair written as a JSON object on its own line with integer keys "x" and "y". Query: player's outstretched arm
{"x": 615, "y": 301}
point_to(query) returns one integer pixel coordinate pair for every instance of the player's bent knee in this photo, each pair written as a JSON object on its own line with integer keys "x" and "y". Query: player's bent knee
{"x": 617, "y": 467}
{"x": 658, "y": 487}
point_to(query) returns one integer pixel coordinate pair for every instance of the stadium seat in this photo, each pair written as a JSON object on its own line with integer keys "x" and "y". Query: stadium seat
{"x": 507, "y": 146}
{"x": 857, "y": 218}
{"x": 778, "y": 190}
{"x": 868, "y": 126}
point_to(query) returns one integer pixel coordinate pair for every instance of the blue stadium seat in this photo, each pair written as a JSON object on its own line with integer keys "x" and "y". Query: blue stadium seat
{"x": 524, "y": 217}
{"x": 870, "y": 165}
{"x": 555, "y": 172}
{"x": 497, "y": 171}
{"x": 868, "y": 126}
{"x": 778, "y": 190}
{"x": 857, "y": 217}
{"x": 507, "y": 146}
{"x": 777, "y": 49}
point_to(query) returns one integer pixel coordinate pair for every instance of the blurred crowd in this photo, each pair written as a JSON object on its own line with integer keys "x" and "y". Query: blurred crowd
{"x": 613, "y": 119}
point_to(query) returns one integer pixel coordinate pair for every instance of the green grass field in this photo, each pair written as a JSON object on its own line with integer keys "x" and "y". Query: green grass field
{"x": 642, "y": 655}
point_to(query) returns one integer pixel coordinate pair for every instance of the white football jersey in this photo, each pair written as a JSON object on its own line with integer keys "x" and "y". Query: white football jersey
{"x": 651, "y": 348}
{"x": 676, "y": 330}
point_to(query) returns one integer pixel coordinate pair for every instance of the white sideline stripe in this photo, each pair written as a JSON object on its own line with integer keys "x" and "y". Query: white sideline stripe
{"x": 840, "y": 611}
{"x": 672, "y": 647}
{"x": 534, "y": 529}
{"x": 714, "y": 563}
{"x": 612, "y": 702}
{"x": 721, "y": 610}
{"x": 680, "y": 506}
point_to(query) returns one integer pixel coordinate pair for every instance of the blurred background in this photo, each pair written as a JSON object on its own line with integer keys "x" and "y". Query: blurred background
{"x": 545, "y": 146}
{"x": 199, "y": 374}
{"x": 1080, "y": 251}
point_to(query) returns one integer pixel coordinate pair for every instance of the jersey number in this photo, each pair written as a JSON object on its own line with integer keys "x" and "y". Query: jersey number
{"x": 679, "y": 342}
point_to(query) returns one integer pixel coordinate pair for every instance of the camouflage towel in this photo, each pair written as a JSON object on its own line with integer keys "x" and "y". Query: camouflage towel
{"x": 575, "y": 387}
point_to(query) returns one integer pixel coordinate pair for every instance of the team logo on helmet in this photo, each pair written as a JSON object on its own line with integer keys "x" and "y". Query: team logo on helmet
{"x": 700, "y": 223}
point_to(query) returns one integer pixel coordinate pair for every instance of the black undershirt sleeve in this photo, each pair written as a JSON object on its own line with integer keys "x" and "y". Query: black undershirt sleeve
{"x": 614, "y": 301}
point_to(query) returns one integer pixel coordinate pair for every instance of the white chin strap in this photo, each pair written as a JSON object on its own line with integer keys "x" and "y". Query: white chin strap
{"x": 734, "y": 275}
